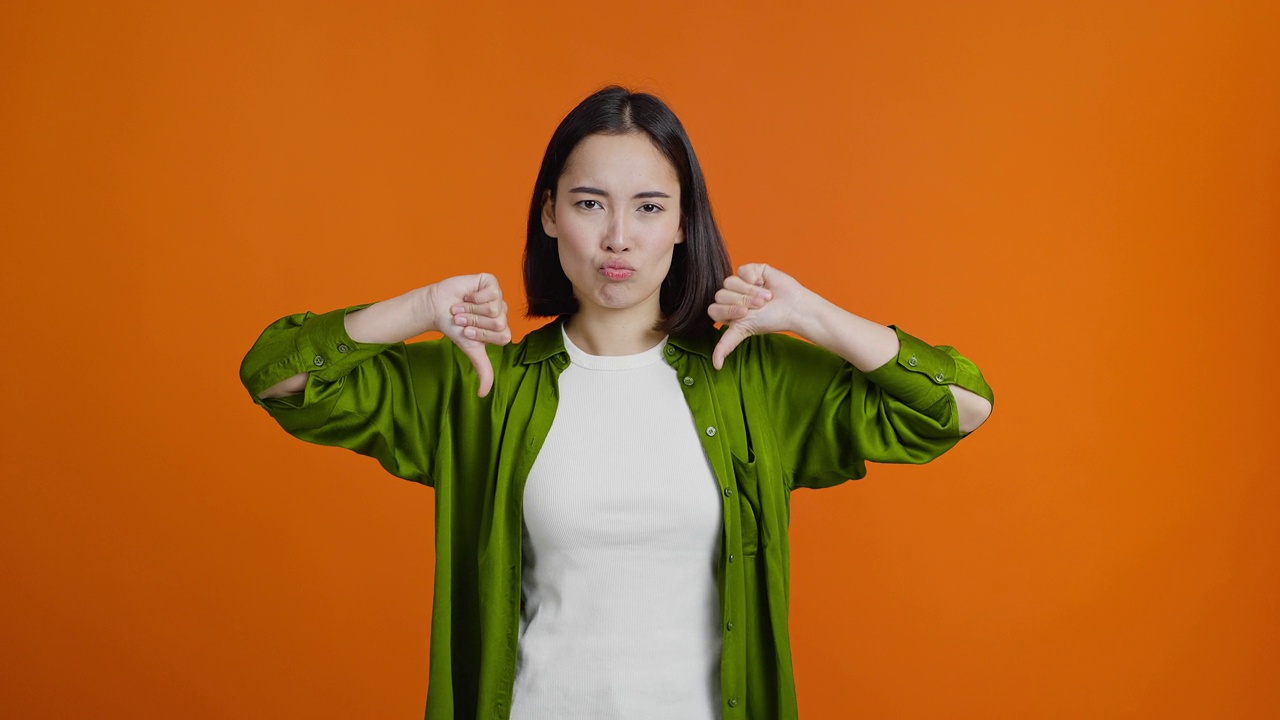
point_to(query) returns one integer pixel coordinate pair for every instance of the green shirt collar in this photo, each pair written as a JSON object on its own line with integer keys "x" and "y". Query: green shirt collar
{"x": 546, "y": 342}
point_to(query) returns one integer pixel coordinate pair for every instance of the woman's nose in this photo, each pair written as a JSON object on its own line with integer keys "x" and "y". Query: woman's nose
{"x": 615, "y": 235}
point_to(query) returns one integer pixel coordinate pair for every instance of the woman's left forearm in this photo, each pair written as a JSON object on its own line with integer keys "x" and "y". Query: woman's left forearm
{"x": 762, "y": 299}
{"x": 866, "y": 344}
{"x": 869, "y": 345}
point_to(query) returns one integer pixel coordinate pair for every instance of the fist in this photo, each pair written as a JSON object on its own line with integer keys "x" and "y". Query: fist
{"x": 758, "y": 299}
{"x": 470, "y": 311}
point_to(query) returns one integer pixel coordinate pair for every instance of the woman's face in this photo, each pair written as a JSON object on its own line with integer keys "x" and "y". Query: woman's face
{"x": 616, "y": 220}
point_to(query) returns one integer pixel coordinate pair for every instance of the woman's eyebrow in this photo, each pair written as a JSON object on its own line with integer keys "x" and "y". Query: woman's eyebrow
{"x": 638, "y": 196}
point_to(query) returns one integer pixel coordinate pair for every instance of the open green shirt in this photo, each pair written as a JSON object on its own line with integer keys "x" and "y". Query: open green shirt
{"x": 782, "y": 414}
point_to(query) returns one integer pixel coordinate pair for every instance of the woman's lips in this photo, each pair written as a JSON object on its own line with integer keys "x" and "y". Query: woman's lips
{"x": 617, "y": 271}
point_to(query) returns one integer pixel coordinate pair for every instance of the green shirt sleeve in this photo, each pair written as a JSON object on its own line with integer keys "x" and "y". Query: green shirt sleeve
{"x": 832, "y": 418}
{"x": 366, "y": 397}
{"x": 920, "y": 373}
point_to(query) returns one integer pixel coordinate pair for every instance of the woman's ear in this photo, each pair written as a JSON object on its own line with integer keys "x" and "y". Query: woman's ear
{"x": 680, "y": 233}
{"x": 548, "y": 214}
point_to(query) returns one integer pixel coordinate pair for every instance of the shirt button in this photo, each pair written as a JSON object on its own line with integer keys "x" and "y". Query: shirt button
{"x": 711, "y": 432}
{"x": 671, "y": 350}
{"x": 912, "y": 361}
{"x": 688, "y": 381}
{"x": 939, "y": 377}
{"x": 319, "y": 361}
{"x": 728, "y": 492}
{"x": 730, "y": 557}
{"x": 342, "y": 348}
{"x": 733, "y": 702}
{"x": 728, "y": 626}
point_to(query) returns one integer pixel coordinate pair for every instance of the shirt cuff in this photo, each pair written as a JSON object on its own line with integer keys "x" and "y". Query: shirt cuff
{"x": 918, "y": 376}
{"x": 327, "y": 351}
{"x": 321, "y": 347}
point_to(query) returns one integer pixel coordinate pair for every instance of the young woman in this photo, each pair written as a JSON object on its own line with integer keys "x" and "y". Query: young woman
{"x": 612, "y": 492}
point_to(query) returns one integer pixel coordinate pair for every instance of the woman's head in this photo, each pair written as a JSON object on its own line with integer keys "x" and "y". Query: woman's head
{"x": 699, "y": 262}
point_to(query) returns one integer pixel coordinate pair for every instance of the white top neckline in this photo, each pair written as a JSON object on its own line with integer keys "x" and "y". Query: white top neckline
{"x": 584, "y": 359}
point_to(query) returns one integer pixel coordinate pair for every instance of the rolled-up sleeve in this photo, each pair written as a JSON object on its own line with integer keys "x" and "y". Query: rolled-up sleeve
{"x": 832, "y": 418}
{"x": 304, "y": 343}
{"x": 919, "y": 375}
{"x": 359, "y": 396}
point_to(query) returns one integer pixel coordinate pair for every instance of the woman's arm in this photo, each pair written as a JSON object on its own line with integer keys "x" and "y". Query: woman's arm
{"x": 869, "y": 345}
{"x": 468, "y": 309}
{"x": 345, "y": 379}
{"x": 762, "y": 299}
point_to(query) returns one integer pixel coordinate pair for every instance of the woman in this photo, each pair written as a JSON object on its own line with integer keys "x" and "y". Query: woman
{"x": 612, "y": 491}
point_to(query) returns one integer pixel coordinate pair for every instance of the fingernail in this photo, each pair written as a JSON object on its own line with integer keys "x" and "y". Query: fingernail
{"x": 766, "y": 295}
{"x": 470, "y": 332}
{"x": 457, "y": 309}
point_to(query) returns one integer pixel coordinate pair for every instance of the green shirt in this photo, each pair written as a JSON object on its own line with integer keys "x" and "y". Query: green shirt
{"x": 782, "y": 414}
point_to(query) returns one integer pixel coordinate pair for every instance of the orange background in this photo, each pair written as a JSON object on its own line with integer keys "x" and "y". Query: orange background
{"x": 1082, "y": 197}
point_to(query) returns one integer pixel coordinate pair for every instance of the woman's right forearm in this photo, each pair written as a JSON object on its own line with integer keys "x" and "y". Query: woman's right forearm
{"x": 395, "y": 320}
{"x": 389, "y": 321}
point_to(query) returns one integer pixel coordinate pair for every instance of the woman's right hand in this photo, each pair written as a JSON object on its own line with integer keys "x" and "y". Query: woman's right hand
{"x": 470, "y": 311}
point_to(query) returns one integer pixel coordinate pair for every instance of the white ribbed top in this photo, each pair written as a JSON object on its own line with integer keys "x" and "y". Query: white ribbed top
{"x": 622, "y": 525}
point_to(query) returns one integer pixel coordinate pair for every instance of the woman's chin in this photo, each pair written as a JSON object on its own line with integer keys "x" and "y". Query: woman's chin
{"x": 622, "y": 297}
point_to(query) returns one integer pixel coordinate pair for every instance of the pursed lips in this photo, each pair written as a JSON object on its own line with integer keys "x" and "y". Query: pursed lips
{"x": 617, "y": 270}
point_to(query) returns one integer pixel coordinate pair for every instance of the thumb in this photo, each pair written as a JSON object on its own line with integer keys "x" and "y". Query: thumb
{"x": 480, "y": 361}
{"x": 753, "y": 273}
{"x": 485, "y": 280}
{"x": 728, "y": 341}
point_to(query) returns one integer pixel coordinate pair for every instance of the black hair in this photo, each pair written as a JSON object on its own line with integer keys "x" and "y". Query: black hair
{"x": 699, "y": 265}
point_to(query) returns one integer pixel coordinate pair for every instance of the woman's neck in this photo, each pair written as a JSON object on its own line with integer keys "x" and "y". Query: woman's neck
{"x": 613, "y": 333}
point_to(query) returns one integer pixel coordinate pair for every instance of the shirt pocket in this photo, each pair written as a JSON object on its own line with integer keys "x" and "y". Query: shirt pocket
{"x": 746, "y": 476}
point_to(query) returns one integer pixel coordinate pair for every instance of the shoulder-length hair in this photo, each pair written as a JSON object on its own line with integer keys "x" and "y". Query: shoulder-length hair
{"x": 699, "y": 265}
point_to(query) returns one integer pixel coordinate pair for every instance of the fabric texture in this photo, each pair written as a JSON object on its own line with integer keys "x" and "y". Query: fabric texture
{"x": 782, "y": 414}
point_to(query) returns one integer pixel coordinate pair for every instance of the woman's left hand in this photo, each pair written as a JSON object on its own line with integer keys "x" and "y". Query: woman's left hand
{"x": 758, "y": 299}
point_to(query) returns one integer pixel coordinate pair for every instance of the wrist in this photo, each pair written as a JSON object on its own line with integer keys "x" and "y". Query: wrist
{"x": 865, "y": 344}
{"x": 811, "y": 317}
{"x": 422, "y": 308}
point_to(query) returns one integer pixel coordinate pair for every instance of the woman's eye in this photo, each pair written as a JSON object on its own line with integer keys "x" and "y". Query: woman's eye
{"x": 589, "y": 204}
{"x": 650, "y": 208}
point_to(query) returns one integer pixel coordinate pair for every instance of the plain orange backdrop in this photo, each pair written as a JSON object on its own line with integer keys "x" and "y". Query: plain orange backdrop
{"x": 1083, "y": 197}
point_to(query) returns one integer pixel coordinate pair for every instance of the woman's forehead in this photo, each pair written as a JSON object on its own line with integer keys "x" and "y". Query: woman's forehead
{"x": 623, "y": 161}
